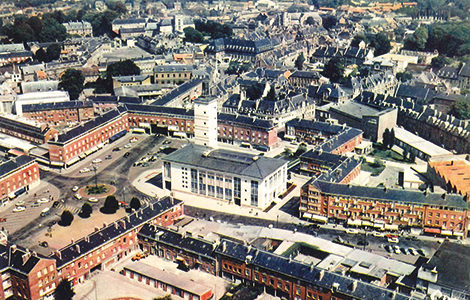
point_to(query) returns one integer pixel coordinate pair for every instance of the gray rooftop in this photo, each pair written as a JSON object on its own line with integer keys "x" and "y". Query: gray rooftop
{"x": 226, "y": 161}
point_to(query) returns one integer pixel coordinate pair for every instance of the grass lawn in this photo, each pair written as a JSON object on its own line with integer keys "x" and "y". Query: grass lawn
{"x": 96, "y": 190}
{"x": 374, "y": 168}
{"x": 383, "y": 153}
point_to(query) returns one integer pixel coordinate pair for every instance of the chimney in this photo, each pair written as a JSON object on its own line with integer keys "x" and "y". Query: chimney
{"x": 123, "y": 224}
{"x": 97, "y": 228}
{"x": 87, "y": 238}
{"x": 72, "y": 241}
{"x": 224, "y": 246}
{"x": 116, "y": 225}
{"x": 104, "y": 225}
{"x": 354, "y": 286}
{"x": 26, "y": 257}
{"x": 321, "y": 275}
{"x": 128, "y": 218}
{"x": 58, "y": 254}
{"x": 248, "y": 259}
{"x": 13, "y": 248}
{"x": 77, "y": 247}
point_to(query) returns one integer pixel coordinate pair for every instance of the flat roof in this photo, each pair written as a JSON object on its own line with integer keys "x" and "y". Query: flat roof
{"x": 419, "y": 143}
{"x": 168, "y": 278}
{"x": 355, "y": 109}
{"x": 455, "y": 171}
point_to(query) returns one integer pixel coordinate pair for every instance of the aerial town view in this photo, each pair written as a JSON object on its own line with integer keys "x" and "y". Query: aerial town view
{"x": 234, "y": 149}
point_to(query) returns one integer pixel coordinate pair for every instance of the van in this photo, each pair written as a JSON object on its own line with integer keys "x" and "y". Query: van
{"x": 45, "y": 212}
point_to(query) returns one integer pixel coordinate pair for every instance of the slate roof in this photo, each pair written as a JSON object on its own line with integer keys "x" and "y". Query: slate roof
{"x": 112, "y": 231}
{"x": 226, "y": 161}
{"x": 393, "y": 195}
{"x": 305, "y": 74}
{"x": 321, "y": 127}
{"x": 306, "y": 273}
{"x": 414, "y": 92}
{"x": 57, "y": 105}
{"x": 245, "y": 121}
{"x": 177, "y": 240}
{"x": 89, "y": 125}
{"x": 14, "y": 164}
{"x": 130, "y": 78}
{"x": 240, "y": 46}
{"x": 451, "y": 261}
{"x": 340, "y": 139}
{"x": 160, "y": 110}
{"x": 176, "y": 92}
{"x": 465, "y": 70}
{"x": 173, "y": 68}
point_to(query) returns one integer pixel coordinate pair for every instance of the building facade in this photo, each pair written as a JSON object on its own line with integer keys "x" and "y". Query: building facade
{"x": 21, "y": 173}
{"x": 59, "y": 113}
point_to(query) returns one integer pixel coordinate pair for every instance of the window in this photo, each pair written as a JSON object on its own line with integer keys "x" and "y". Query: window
{"x": 254, "y": 193}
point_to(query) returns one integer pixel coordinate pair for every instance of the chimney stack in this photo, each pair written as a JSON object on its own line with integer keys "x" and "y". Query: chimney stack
{"x": 77, "y": 247}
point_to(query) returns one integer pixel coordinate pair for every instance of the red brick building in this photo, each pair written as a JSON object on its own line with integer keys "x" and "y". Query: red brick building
{"x": 35, "y": 132}
{"x": 112, "y": 242}
{"x": 21, "y": 173}
{"x": 59, "y": 113}
{"x": 65, "y": 148}
{"x": 383, "y": 208}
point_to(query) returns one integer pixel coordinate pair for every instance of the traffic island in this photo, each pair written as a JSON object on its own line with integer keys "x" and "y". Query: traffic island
{"x": 100, "y": 190}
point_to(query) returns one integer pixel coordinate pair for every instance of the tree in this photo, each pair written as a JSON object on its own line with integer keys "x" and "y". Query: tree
{"x": 439, "y": 61}
{"x": 391, "y": 140}
{"x": 461, "y": 109}
{"x": 110, "y": 206}
{"x": 41, "y": 55}
{"x": 135, "y": 203}
{"x": 122, "y": 68}
{"x": 404, "y": 76}
{"x": 418, "y": 40}
{"x": 53, "y": 52}
{"x": 36, "y": 24}
{"x": 192, "y": 35}
{"x": 64, "y": 291}
{"x": 299, "y": 62}
{"x": 72, "y": 82}
{"x": 310, "y": 21}
{"x": 329, "y": 22}
{"x": 381, "y": 44}
{"x": 86, "y": 210}
{"x": 255, "y": 91}
{"x": 52, "y": 31}
{"x": 334, "y": 69}
{"x": 66, "y": 218}
{"x": 287, "y": 152}
{"x": 300, "y": 150}
{"x": 357, "y": 39}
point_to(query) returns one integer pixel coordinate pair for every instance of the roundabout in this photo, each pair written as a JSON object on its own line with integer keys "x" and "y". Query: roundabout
{"x": 101, "y": 190}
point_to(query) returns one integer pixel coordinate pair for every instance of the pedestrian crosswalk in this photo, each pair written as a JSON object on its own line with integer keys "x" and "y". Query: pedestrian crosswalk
{"x": 61, "y": 207}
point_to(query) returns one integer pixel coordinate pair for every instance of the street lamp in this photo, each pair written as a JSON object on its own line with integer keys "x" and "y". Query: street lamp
{"x": 96, "y": 178}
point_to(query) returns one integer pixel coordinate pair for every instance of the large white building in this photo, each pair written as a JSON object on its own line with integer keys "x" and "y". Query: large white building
{"x": 239, "y": 178}
{"x": 37, "y": 98}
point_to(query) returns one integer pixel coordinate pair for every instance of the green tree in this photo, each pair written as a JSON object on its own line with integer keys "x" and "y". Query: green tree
{"x": 36, "y": 24}
{"x": 287, "y": 152}
{"x": 41, "y": 55}
{"x": 334, "y": 69}
{"x": 52, "y": 31}
{"x": 255, "y": 91}
{"x": 135, "y": 203}
{"x": 418, "y": 40}
{"x": 66, "y": 218}
{"x": 86, "y": 210}
{"x": 110, "y": 206}
{"x": 357, "y": 39}
{"x": 439, "y": 62}
{"x": 192, "y": 35}
{"x": 310, "y": 21}
{"x": 404, "y": 76}
{"x": 461, "y": 109}
{"x": 381, "y": 44}
{"x": 329, "y": 22}
{"x": 299, "y": 62}
{"x": 72, "y": 82}
{"x": 53, "y": 52}
{"x": 64, "y": 291}
{"x": 300, "y": 150}
{"x": 122, "y": 68}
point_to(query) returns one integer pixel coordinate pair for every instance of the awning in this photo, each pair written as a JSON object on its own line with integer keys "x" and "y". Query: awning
{"x": 88, "y": 152}
{"x": 73, "y": 160}
{"x": 319, "y": 218}
{"x": 179, "y": 134}
{"x": 82, "y": 156}
{"x": 446, "y": 232}
{"x": 290, "y": 137}
{"x": 11, "y": 195}
{"x": 100, "y": 145}
{"x": 367, "y": 223}
{"x": 57, "y": 163}
{"x": 458, "y": 234}
{"x": 307, "y": 215}
{"x": 432, "y": 230}
{"x": 354, "y": 222}
{"x": 391, "y": 227}
{"x": 379, "y": 225}
{"x": 94, "y": 149}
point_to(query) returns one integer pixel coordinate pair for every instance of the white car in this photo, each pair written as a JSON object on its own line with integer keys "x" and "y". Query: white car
{"x": 19, "y": 203}
{"x": 127, "y": 146}
{"x": 75, "y": 188}
{"x": 396, "y": 249}
{"x": 84, "y": 170}
{"x": 78, "y": 196}
{"x": 19, "y": 209}
{"x": 93, "y": 200}
{"x": 393, "y": 240}
{"x": 352, "y": 231}
{"x": 43, "y": 200}
{"x": 97, "y": 161}
{"x": 412, "y": 251}
{"x": 378, "y": 234}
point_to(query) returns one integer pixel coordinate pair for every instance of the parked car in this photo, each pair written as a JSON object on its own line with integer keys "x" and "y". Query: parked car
{"x": 166, "y": 142}
{"x": 43, "y": 200}
{"x": 84, "y": 170}
{"x": 45, "y": 212}
{"x": 127, "y": 146}
{"x": 93, "y": 200}
{"x": 55, "y": 204}
{"x": 127, "y": 154}
{"x": 352, "y": 231}
{"x": 19, "y": 203}
{"x": 378, "y": 234}
{"x": 412, "y": 251}
{"x": 396, "y": 249}
{"x": 393, "y": 240}
{"x": 117, "y": 149}
{"x": 75, "y": 188}
{"x": 109, "y": 156}
{"x": 78, "y": 196}
{"x": 19, "y": 209}
{"x": 97, "y": 161}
